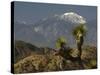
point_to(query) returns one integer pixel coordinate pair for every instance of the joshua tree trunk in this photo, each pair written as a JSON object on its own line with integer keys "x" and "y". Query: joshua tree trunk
{"x": 80, "y": 49}
{"x": 79, "y": 46}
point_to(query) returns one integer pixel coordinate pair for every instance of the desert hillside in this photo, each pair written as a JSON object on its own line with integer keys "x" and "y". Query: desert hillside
{"x": 29, "y": 58}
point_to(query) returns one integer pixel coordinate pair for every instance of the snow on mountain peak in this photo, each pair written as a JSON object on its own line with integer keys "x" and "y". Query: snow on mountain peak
{"x": 73, "y": 17}
{"x": 69, "y": 13}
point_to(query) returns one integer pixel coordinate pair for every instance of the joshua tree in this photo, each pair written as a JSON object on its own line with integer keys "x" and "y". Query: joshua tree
{"x": 60, "y": 42}
{"x": 79, "y": 32}
{"x": 63, "y": 50}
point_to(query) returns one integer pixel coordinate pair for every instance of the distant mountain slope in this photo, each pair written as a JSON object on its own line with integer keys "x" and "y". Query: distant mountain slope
{"x": 23, "y": 49}
{"x": 47, "y": 30}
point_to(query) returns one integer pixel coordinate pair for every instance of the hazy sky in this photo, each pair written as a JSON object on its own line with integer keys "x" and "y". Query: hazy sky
{"x": 32, "y": 12}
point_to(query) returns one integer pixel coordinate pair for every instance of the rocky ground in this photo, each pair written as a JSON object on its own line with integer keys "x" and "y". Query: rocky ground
{"x": 46, "y": 60}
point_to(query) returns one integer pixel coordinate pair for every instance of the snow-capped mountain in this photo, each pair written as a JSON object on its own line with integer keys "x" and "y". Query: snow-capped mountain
{"x": 73, "y": 17}
{"x": 47, "y": 30}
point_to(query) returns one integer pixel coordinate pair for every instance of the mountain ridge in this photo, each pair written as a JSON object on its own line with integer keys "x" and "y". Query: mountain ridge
{"x": 49, "y": 29}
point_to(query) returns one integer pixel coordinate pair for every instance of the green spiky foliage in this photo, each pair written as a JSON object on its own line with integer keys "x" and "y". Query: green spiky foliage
{"x": 59, "y": 41}
{"x": 80, "y": 29}
{"x": 79, "y": 32}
